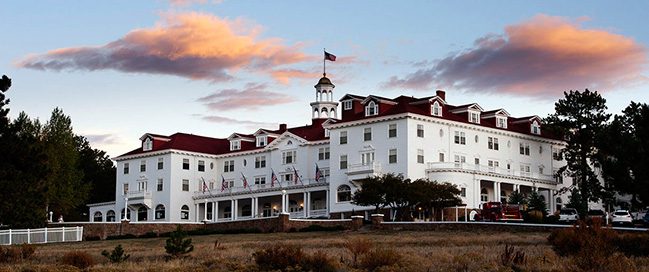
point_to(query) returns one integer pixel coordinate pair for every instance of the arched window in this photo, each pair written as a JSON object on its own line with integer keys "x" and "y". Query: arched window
{"x": 371, "y": 109}
{"x": 344, "y": 193}
{"x": 484, "y": 195}
{"x": 316, "y": 113}
{"x": 436, "y": 109}
{"x": 98, "y": 217}
{"x": 184, "y": 212}
{"x": 128, "y": 214}
{"x": 142, "y": 213}
{"x": 160, "y": 212}
{"x": 536, "y": 128}
{"x": 324, "y": 113}
{"x": 332, "y": 113}
{"x": 110, "y": 216}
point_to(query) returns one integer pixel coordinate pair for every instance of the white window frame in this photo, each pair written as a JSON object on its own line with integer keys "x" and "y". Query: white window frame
{"x": 420, "y": 131}
{"x": 160, "y": 185}
{"x": 260, "y": 161}
{"x": 392, "y": 128}
{"x": 201, "y": 165}
{"x": 228, "y": 166}
{"x": 474, "y": 117}
{"x": 323, "y": 153}
{"x": 235, "y": 145}
{"x": 392, "y": 153}
{"x": 342, "y": 137}
{"x": 367, "y": 131}
{"x": 535, "y": 128}
{"x": 436, "y": 109}
{"x": 290, "y": 154}
{"x": 343, "y": 163}
{"x": 501, "y": 122}
{"x": 460, "y": 138}
{"x": 420, "y": 156}
{"x": 347, "y": 104}
{"x": 185, "y": 185}
{"x": 372, "y": 109}
{"x": 262, "y": 140}
{"x": 147, "y": 144}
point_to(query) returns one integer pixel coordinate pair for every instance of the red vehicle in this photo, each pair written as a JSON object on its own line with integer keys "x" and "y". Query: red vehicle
{"x": 496, "y": 211}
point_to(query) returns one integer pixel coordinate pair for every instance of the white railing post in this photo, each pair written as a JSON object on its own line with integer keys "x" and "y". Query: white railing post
{"x": 29, "y": 240}
{"x": 45, "y": 236}
{"x": 9, "y": 236}
{"x": 63, "y": 234}
{"x": 78, "y": 234}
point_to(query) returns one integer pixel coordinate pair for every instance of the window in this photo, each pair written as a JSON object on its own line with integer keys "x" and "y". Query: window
{"x": 367, "y": 134}
{"x": 441, "y": 157}
{"x": 558, "y": 177}
{"x": 228, "y": 166}
{"x": 343, "y": 137}
{"x": 463, "y": 192}
{"x": 160, "y": 185}
{"x": 536, "y": 128}
{"x": 501, "y": 122}
{"x": 347, "y": 105}
{"x": 327, "y": 132}
{"x": 460, "y": 138}
{"x": 184, "y": 212}
{"x": 541, "y": 170}
{"x": 420, "y": 156}
{"x": 323, "y": 153}
{"x": 392, "y": 130}
{"x": 459, "y": 159}
{"x": 97, "y": 217}
{"x": 260, "y": 162}
{"x": 142, "y": 166}
{"x": 492, "y": 143}
{"x": 160, "y": 212}
{"x": 147, "y": 144}
{"x": 185, "y": 164}
{"x": 160, "y": 163}
{"x": 125, "y": 189}
{"x": 186, "y": 185}
{"x": 525, "y": 169}
{"x": 344, "y": 193}
{"x": 556, "y": 154}
{"x": 343, "y": 161}
{"x": 492, "y": 164}
{"x": 142, "y": 213}
{"x": 474, "y": 117}
{"x": 420, "y": 131}
{"x": 125, "y": 168}
{"x": 371, "y": 109}
{"x": 141, "y": 186}
{"x": 476, "y": 161}
{"x": 392, "y": 156}
{"x": 287, "y": 177}
{"x": 262, "y": 140}
{"x": 367, "y": 158}
{"x": 484, "y": 195}
{"x": 260, "y": 180}
{"x": 524, "y": 148}
{"x": 436, "y": 109}
{"x": 289, "y": 157}
{"x": 201, "y": 166}
{"x": 110, "y": 216}
{"x": 235, "y": 145}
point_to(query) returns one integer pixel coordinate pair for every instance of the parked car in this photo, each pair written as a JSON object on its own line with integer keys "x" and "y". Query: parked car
{"x": 645, "y": 220}
{"x": 622, "y": 217}
{"x": 596, "y": 216}
{"x": 568, "y": 215}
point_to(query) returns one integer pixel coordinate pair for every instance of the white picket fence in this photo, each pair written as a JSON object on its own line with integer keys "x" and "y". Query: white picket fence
{"x": 41, "y": 236}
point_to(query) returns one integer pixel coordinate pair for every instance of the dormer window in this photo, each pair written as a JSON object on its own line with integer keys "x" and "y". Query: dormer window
{"x": 474, "y": 117}
{"x": 371, "y": 109}
{"x": 147, "y": 145}
{"x": 262, "y": 140}
{"x": 235, "y": 145}
{"x": 501, "y": 122}
{"x": 347, "y": 105}
{"x": 326, "y": 131}
{"x": 436, "y": 109}
{"x": 536, "y": 128}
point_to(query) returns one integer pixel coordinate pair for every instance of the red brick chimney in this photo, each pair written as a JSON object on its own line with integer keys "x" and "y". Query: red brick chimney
{"x": 282, "y": 127}
{"x": 441, "y": 94}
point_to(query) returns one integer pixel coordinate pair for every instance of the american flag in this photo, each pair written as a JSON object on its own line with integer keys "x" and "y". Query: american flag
{"x": 296, "y": 177}
{"x": 245, "y": 181}
{"x": 223, "y": 184}
{"x": 318, "y": 173}
{"x": 273, "y": 178}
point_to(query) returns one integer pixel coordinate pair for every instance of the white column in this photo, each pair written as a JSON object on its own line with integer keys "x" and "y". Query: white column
{"x": 236, "y": 209}
{"x": 307, "y": 204}
{"x": 304, "y": 204}
{"x": 125, "y": 209}
{"x": 205, "y": 211}
{"x": 495, "y": 191}
{"x": 215, "y": 211}
{"x": 328, "y": 204}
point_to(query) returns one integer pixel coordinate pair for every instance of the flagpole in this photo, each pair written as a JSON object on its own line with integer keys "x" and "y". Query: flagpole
{"x": 324, "y": 61}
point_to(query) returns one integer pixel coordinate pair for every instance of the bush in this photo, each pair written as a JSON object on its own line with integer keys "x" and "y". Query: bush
{"x": 510, "y": 256}
{"x": 633, "y": 244}
{"x": 79, "y": 259}
{"x": 117, "y": 255}
{"x": 279, "y": 257}
{"x": 358, "y": 247}
{"x": 378, "y": 258}
{"x": 14, "y": 254}
{"x": 149, "y": 234}
{"x": 177, "y": 245}
{"x": 320, "y": 262}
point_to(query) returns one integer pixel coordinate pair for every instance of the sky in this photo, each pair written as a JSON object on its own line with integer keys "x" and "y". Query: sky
{"x": 121, "y": 69}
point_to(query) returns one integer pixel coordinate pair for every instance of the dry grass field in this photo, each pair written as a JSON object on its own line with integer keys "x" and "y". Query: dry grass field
{"x": 415, "y": 251}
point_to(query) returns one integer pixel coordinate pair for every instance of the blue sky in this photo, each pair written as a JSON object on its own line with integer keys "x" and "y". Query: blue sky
{"x": 124, "y": 68}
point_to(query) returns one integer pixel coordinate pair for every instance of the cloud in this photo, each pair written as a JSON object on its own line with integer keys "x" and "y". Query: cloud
{"x": 103, "y": 139}
{"x": 254, "y": 125}
{"x": 191, "y": 2}
{"x": 252, "y": 96}
{"x": 284, "y": 76}
{"x": 191, "y": 45}
{"x": 541, "y": 57}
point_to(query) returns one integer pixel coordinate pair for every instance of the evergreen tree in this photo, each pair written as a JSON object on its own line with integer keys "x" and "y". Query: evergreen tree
{"x": 517, "y": 198}
{"x": 536, "y": 201}
{"x": 580, "y": 118}
{"x": 578, "y": 202}
{"x": 177, "y": 246}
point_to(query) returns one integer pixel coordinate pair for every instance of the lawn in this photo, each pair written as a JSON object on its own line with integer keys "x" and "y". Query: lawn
{"x": 415, "y": 251}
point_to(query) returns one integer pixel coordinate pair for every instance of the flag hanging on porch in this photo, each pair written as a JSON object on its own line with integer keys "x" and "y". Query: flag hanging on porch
{"x": 296, "y": 177}
{"x": 204, "y": 186}
{"x": 273, "y": 178}
{"x": 245, "y": 181}
{"x": 223, "y": 183}
{"x": 318, "y": 173}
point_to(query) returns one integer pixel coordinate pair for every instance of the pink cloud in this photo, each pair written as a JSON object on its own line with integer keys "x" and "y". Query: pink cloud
{"x": 541, "y": 57}
{"x": 192, "y": 45}
{"x": 252, "y": 96}
{"x": 253, "y": 125}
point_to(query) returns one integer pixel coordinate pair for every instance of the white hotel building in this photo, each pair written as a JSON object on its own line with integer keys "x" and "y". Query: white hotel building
{"x": 487, "y": 154}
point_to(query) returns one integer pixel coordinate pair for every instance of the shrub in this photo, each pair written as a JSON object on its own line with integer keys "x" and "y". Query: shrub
{"x": 117, "y": 255}
{"x": 378, "y": 258}
{"x": 633, "y": 244}
{"x": 14, "y": 254}
{"x": 177, "y": 245}
{"x": 358, "y": 247}
{"x": 511, "y": 256}
{"x": 79, "y": 259}
{"x": 279, "y": 257}
{"x": 571, "y": 241}
{"x": 319, "y": 262}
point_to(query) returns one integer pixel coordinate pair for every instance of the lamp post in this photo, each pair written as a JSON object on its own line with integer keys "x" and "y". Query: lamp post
{"x": 51, "y": 213}
{"x": 284, "y": 201}
{"x": 125, "y": 218}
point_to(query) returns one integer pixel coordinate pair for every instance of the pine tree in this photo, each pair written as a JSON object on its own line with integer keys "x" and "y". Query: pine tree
{"x": 177, "y": 245}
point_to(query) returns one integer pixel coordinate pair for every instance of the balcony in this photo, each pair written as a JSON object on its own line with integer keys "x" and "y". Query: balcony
{"x": 140, "y": 197}
{"x": 362, "y": 170}
{"x": 488, "y": 170}
{"x": 259, "y": 188}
